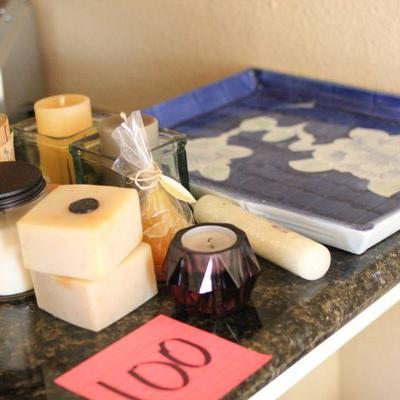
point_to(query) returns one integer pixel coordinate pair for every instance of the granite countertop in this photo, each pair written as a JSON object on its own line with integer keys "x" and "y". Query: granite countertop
{"x": 288, "y": 317}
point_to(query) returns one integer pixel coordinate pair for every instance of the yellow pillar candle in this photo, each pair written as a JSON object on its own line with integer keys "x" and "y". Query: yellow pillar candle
{"x": 63, "y": 115}
{"x": 60, "y": 121}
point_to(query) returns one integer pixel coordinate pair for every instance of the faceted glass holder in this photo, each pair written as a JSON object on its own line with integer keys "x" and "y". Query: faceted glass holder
{"x": 213, "y": 283}
{"x": 49, "y": 154}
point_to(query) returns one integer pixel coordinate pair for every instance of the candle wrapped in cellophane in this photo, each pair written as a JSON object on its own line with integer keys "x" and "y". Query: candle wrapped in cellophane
{"x": 163, "y": 201}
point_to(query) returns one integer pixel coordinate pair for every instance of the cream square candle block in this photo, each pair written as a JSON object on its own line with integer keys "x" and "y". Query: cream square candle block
{"x": 97, "y": 304}
{"x": 81, "y": 231}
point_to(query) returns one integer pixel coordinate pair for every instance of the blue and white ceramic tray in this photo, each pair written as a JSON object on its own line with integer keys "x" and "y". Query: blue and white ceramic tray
{"x": 321, "y": 158}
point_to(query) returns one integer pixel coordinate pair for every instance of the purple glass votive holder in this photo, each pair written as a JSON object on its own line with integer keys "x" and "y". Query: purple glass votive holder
{"x": 215, "y": 279}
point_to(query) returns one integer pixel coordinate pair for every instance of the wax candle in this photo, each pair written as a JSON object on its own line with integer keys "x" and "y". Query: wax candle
{"x": 63, "y": 115}
{"x": 81, "y": 231}
{"x": 211, "y": 268}
{"x": 60, "y": 120}
{"x": 209, "y": 238}
{"x": 288, "y": 249}
{"x": 108, "y": 145}
{"x": 95, "y": 304}
{"x": 82, "y": 244}
{"x": 161, "y": 219}
{"x": 162, "y": 214}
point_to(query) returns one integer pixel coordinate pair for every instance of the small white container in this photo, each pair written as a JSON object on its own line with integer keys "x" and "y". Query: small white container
{"x": 21, "y": 186}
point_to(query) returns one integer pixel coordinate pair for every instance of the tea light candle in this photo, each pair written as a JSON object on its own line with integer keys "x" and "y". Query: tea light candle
{"x": 209, "y": 238}
{"x": 63, "y": 115}
{"x": 211, "y": 268}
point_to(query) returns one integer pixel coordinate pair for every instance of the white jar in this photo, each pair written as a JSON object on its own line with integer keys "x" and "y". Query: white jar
{"x": 21, "y": 186}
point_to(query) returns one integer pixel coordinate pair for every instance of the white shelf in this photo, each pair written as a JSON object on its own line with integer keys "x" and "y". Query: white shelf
{"x": 315, "y": 357}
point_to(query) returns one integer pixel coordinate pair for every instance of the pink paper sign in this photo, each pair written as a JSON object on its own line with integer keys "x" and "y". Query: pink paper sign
{"x": 164, "y": 359}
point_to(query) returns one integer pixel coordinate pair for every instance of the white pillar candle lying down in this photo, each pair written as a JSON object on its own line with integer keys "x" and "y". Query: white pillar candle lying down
{"x": 290, "y": 250}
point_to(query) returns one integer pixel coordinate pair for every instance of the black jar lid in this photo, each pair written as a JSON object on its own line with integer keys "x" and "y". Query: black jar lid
{"x": 20, "y": 183}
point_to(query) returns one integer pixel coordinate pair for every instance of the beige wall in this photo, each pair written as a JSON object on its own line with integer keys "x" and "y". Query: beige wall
{"x": 133, "y": 53}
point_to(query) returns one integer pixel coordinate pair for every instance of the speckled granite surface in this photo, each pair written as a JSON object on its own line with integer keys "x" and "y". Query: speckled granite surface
{"x": 288, "y": 318}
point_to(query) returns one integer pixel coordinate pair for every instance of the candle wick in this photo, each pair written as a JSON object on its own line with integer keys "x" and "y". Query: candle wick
{"x": 210, "y": 242}
{"x": 62, "y": 101}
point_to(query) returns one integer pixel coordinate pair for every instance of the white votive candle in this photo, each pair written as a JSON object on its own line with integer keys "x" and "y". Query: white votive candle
{"x": 209, "y": 239}
{"x": 109, "y": 146}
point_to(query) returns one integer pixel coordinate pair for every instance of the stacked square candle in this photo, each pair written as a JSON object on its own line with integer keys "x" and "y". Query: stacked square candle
{"x": 83, "y": 246}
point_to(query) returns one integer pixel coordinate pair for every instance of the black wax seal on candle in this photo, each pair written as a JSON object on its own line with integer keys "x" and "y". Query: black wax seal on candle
{"x": 84, "y": 206}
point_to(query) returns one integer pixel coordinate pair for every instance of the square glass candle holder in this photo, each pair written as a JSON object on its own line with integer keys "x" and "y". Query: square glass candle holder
{"x": 94, "y": 167}
{"x": 49, "y": 154}
{"x": 78, "y": 158}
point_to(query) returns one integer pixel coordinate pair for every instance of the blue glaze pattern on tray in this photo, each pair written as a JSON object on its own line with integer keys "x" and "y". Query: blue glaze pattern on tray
{"x": 253, "y": 136}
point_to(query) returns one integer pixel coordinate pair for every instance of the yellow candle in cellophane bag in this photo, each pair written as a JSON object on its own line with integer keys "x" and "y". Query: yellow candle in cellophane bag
{"x": 162, "y": 217}
{"x": 162, "y": 199}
